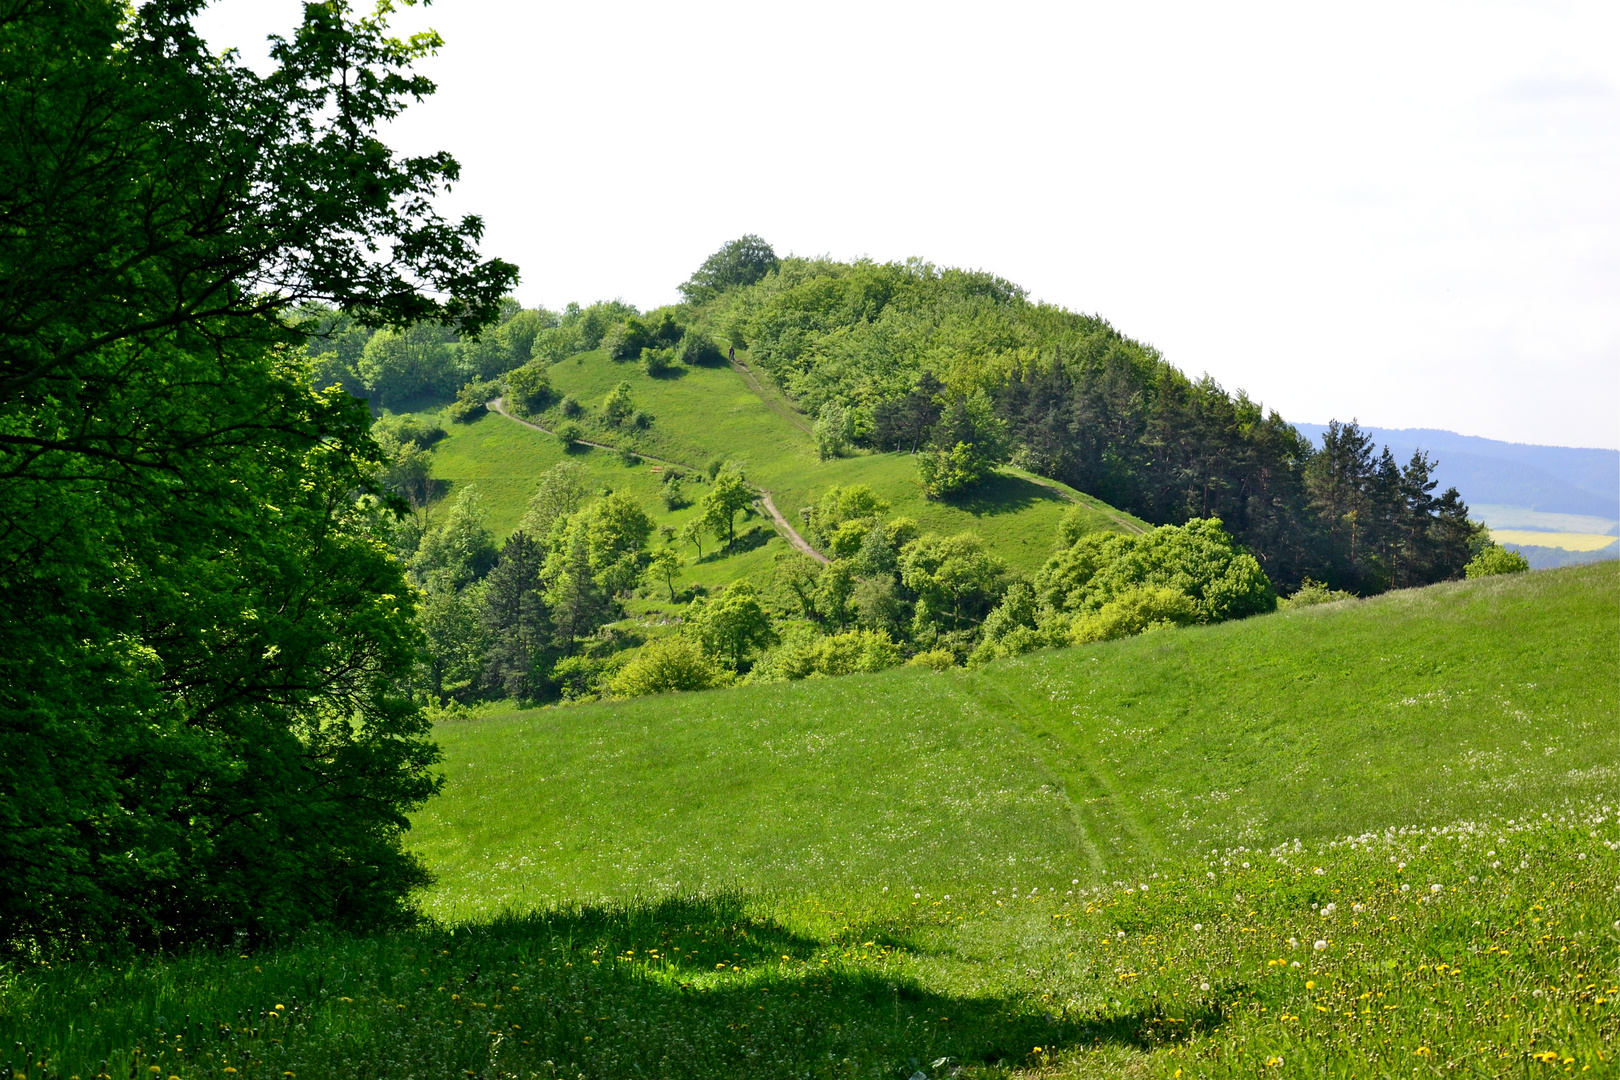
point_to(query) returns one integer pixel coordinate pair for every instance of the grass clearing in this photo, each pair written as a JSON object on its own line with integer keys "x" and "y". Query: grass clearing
{"x": 1372, "y": 838}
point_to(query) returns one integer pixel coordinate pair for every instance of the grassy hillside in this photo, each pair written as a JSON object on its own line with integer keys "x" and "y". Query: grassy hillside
{"x": 1412, "y": 709}
{"x": 704, "y": 413}
{"x": 1371, "y": 838}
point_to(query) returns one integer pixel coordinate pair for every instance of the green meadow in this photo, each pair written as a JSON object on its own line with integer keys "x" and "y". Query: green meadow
{"x": 1369, "y": 838}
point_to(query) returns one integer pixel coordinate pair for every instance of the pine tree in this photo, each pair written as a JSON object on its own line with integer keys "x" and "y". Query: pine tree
{"x": 517, "y": 619}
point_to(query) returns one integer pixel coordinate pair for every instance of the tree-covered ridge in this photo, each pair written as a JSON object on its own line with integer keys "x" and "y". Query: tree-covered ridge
{"x": 908, "y": 348}
{"x": 962, "y": 370}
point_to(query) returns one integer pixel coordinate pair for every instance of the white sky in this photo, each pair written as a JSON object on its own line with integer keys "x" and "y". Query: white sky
{"x": 1404, "y": 212}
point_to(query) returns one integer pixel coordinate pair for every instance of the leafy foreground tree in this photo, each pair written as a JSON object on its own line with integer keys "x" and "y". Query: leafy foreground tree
{"x": 202, "y": 631}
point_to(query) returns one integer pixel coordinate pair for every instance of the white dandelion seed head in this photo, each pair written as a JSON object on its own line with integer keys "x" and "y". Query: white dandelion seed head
{"x": 1321, "y": 946}
{"x": 1203, "y": 986}
{"x": 1406, "y": 888}
{"x": 916, "y": 896}
{"x": 1120, "y": 934}
{"x": 1436, "y": 888}
{"x": 1197, "y": 926}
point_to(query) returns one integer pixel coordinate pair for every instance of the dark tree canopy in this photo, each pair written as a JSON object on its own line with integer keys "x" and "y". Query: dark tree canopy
{"x": 740, "y": 262}
{"x": 203, "y": 637}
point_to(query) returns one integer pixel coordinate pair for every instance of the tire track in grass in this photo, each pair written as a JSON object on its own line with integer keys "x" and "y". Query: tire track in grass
{"x": 498, "y": 405}
{"x": 1070, "y": 764}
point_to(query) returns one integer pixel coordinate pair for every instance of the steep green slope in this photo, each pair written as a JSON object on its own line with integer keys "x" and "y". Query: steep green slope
{"x": 705, "y": 413}
{"x": 1488, "y": 697}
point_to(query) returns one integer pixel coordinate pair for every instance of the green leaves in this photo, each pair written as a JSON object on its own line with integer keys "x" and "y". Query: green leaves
{"x": 204, "y": 638}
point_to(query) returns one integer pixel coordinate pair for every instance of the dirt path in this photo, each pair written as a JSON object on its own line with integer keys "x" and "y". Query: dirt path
{"x": 792, "y": 534}
{"x": 498, "y": 405}
{"x": 776, "y": 405}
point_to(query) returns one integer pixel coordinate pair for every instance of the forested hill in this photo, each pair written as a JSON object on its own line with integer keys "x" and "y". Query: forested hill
{"x": 1068, "y": 396}
{"x": 961, "y": 369}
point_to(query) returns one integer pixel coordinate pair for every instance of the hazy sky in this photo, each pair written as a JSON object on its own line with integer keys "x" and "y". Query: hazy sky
{"x": 1407, "y": 213}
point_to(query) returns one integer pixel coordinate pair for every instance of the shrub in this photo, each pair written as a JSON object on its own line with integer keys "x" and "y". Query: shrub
{"x": 1314, "y": 592}
{"x": 528, "y": 389}
{"x": 619, "y": 404}
{"x": 664, "y": 332}
{"x": 840, "y": 654}
{"x": 581, "y": 677}
{"x": 571, "y": 407}
{"x": 944, "y": 473}
{"x": 669, "y": 664}
{"x": 1148, "y": 607}
{"x": 656, "y": 362}
{"x": 698, "y": 350}
{"x": 1494, "y": 560}
{"x": 628, "y": 457}
{"x": 935, "y": 659}
{"x": 409, "y": 429}
{"x": 641, "y": 420}
{"x": 674, "y": 495}
{"x": 568, "y": 433}
{"x": 625, "y": 340}
{"x": 1197, "y": 559}
{"x": 471, "y": 401}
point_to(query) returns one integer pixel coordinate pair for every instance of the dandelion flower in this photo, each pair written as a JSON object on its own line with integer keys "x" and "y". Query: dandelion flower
{"x": 1310, "y": 984}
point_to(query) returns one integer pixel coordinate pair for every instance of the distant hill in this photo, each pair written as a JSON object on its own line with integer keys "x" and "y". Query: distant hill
{"x": 1548, "y": 479}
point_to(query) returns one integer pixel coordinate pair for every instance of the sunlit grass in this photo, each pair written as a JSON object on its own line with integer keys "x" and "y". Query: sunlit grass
{"x": 1369, "y": 839}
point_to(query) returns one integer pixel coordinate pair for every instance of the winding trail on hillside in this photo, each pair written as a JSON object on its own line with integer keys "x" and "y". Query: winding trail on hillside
{"x": 800, "y": 421}
{"x": 498, "y": 405}
{"x": 770, "y": 401}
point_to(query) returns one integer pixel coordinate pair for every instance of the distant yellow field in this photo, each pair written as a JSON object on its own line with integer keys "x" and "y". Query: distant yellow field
{"x": 1567, "y": 541}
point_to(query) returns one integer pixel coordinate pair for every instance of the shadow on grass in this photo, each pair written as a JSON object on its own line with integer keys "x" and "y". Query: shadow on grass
{"x": 1004, "y": 494}
{"x": 747, "y": 540}
{"x": 681, "y": 987}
